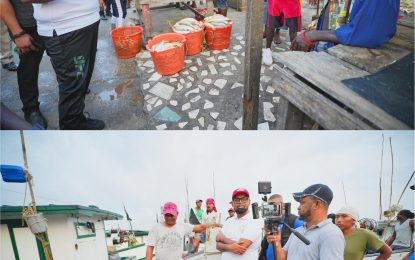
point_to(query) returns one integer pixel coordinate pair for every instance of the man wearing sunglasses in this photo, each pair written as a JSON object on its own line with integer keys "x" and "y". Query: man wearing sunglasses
{"x": 240, "y": 237}
{"x": 167, "y": 237}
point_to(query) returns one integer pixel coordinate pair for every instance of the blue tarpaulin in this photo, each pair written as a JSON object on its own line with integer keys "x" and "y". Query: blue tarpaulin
{"x": 12, "y": 173}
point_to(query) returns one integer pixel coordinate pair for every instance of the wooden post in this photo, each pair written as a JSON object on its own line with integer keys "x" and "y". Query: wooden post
{"x": 253, "y": 59}
{"x": 43, "y": 237}
{"x": 209, "y": 6}
{"x": 145, "y": 7}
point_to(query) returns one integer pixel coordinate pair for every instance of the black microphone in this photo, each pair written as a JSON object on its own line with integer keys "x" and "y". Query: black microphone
{"x": 297, "y": 234}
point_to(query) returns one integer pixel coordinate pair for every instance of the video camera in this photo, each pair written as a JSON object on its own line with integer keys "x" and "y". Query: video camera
{"x": 273, "y": 213}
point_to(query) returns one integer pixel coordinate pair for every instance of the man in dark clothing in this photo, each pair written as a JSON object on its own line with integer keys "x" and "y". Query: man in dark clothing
{"x": 22, "y": 28}
{"x": 69, "y": 29}
{"x": 267, "y": 252}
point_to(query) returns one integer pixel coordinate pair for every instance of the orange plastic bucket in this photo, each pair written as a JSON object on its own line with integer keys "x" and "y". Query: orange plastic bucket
{"x": 170, "y": 61}
{"x": 127, "y": 41}
{"x": 218, "y": 38}
{"x": 194, "y": 42}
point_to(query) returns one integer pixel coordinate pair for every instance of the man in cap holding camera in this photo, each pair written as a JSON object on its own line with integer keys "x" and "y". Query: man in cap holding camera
{"x": 267, "y": 252}
{"x": 167, "y": 237}
{"x": 358, "y": 240}
{"x": 327, "y": 241}
{"x": 240, "y": 237}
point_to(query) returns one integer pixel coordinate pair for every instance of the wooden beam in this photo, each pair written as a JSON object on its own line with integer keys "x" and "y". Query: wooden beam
{"x": 253, "y": 59}
{"x": 147, "y": 20}
{"x": 295, "y": 93}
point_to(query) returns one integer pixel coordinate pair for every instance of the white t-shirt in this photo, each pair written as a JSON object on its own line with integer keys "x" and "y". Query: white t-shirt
{"x": 247, "y": 228}
{"x": 65, "y": 15}
{"x": 212, "y": 217}
{"x": 211, "y": 233}
{"x": 168, "y": 242}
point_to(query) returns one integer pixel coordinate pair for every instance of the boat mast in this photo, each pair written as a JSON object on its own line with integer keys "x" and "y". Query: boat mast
{"x": 380, "y": 181}
{"x": 390, "y": 195}
{"x": 42, "y": 237}
{"x": 407, "y": 184}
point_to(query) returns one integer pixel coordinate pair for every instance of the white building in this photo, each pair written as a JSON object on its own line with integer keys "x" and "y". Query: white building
{"x": 75, "y": 232}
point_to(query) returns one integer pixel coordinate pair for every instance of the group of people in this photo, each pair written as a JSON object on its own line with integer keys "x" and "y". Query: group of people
{"x": 243, "y": 237}
{"x": 362, "y": 23}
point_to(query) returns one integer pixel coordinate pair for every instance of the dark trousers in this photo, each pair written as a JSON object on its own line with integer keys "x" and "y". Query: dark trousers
{"x": 73, "y": 58}
{"x": 28, "y": 73}
{"x": 108, "y": 9}
{"x": 117, "y": 4}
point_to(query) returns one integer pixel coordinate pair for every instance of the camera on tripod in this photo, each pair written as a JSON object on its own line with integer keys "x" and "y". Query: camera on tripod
{"x": 272, "y": 213}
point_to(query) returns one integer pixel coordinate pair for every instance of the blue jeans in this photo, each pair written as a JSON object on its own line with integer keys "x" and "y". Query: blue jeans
{"x": 221, "y": 4}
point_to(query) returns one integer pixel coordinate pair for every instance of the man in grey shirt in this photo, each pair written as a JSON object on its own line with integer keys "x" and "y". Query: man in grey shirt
{"x": 327, "y": 241}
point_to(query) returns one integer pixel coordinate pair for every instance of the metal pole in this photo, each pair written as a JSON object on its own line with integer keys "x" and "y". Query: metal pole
{"x": 253, "y": 60}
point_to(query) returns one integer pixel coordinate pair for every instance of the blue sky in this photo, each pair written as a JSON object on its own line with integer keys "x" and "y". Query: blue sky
{"x": 144, "y": 169}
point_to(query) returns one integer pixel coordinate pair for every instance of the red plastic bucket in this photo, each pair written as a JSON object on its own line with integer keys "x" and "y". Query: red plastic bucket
{"x": 127, "y": 41}
{"x": 218, "y": 38}
{"x": 194, "y": 42}
{"x": 170, "y": 61}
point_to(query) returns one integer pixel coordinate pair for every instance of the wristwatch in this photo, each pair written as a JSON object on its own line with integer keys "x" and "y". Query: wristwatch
{"x": 20, "y": 34}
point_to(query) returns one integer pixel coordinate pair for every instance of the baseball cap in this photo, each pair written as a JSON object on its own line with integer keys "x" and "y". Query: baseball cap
{"x": 240, "y": 191}
{"x": 170, "y": 208}
{"x": 231, "y": 209}
{"x": 319, "y": 191}
{"x": 353, "y": 213}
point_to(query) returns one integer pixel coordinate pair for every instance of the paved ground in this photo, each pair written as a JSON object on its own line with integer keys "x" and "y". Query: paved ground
{"x": 129, "y": 94}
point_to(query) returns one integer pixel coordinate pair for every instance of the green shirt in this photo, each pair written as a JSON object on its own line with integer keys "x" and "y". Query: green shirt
{"x": 359, "y": 242}
{"x": 199, "y": 214}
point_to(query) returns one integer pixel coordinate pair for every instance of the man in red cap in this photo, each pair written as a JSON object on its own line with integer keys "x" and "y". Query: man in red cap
{"x": 167, "y": 237}
{"x": 240, "y": 237}
{"x": 231, "y": 212}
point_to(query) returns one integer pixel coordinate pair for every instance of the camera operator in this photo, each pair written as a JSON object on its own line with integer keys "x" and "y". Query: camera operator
{"x": 267, "y": 252}
{"x": 240, "y": 237}
{"x": 327, "y": 241}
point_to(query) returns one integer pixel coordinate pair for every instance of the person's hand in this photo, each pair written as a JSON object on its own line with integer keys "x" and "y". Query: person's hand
{"x": 237, "y": 248}
{"x": 24, "y": 44}
{"x": 301, "y": 43}
{"x": 312, "y": 25}
{"x": 102, "y": 5}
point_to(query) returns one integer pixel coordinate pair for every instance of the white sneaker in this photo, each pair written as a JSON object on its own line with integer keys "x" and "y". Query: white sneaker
{"x": 267, "y": 56}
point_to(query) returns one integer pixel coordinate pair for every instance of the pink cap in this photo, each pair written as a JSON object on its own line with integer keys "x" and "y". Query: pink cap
{"x": 210, "y": 200}
{"x": 231, "y": 209}
{"x": 240, "y": 191}
{"x": 170, "y": 208}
